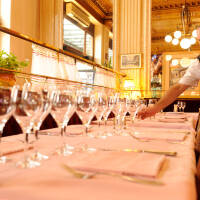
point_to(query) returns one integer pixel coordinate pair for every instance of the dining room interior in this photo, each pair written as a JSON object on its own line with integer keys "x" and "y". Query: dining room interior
{"x": 75, "y": 76}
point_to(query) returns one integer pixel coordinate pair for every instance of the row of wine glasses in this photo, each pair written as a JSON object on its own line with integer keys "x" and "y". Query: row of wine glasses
{"x": 181, "y": 106}
{"x": 32, "y": 101}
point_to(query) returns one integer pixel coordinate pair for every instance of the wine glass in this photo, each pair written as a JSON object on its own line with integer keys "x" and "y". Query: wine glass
{"x": 85, "y": 106}
{"x": 101, "y": 100}
{"x": 47, "y": 97}
{"x": 111, "y": 107}
{"x": 183, "y": 105}
{"x": 8, "y": 97}
{"x": 179, "y": 106}
{"x": 63, "y": 107}
{"x": 29, "y": 102}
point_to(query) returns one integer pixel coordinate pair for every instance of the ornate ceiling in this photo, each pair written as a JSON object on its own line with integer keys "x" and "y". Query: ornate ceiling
{"x": 165, "y": 18}
{"x": 100, "y": 9}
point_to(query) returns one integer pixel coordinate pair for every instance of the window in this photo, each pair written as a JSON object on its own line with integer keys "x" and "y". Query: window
{"x": 73, "y": 36}
{"x": 78, "y": 39}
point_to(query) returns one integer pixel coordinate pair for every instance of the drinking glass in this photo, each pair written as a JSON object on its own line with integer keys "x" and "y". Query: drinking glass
{"x": 101, "y": 100}
{"x": 29, "y": 102}
{"x": 62, "y": 109}
{"x": 86, "y": 106}
{"x": 47, "y": 97}
{"x": 179, "y": 106}
{"x": 8, "y": 97}
{"x": 111, "y": 107}
{"x": 183, "y": 105}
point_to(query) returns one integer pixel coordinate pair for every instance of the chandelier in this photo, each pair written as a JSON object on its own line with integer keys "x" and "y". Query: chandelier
{"x": 184, "y": 36}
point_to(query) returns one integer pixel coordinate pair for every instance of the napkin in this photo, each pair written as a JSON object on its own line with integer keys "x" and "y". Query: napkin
{"x": 172, "y": 120}
{"x": 9, "y": 148}
{"x": 175, "y": 117}
{"x": 170, "y": 136}
{"x": 125, "y": 163}
{"x": 70, "y": 130}
{"x": 77, "y": 129}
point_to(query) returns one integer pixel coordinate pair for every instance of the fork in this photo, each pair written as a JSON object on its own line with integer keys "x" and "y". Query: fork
{"x": 88, "y": 175}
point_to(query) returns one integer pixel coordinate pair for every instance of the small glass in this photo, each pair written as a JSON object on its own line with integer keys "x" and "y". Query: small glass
{"x": 8, "y": 97}
{"x": 86, "y": 106}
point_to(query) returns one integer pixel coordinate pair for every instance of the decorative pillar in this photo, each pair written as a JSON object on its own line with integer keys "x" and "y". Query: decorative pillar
{"x": 132, "y": 35}
{"x": 101, "y": 44}
{"x": 51, "y": 22}
{"x": 24, "y": 19}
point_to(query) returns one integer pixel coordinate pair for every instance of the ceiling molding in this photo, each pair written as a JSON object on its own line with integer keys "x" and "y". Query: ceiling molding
{"x": 99, "y": 9}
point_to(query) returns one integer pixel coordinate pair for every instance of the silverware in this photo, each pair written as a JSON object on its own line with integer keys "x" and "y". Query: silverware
{"x": 167, "y": 153}
{"x": 89, "y": 175}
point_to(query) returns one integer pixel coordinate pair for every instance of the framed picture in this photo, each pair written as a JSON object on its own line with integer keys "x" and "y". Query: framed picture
{"x": 129, "y": 61}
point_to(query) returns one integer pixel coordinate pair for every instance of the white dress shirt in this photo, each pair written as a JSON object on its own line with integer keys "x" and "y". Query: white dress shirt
{"x": 192, "y": 75}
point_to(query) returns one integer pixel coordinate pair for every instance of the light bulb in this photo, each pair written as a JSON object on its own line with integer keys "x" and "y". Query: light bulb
{"x": 192, "y": 40}
{"x": 185, "y": 43}
{"x": 174, "y": 62}
{"x": 175, "y": 41}
{"x": 177, "y": 34}
{"x": 168, "y": 38}
{"x": 168, "y": 57}
{"x": 194, "y": 33}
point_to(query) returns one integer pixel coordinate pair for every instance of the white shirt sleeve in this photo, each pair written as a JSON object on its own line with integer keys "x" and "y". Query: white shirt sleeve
{"x": 192, "y": 75}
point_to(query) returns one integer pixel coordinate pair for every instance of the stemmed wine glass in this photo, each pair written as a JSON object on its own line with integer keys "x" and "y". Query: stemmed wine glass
{"x": 29, "y": 102}
{"x": 47, "y": 97}
{"x": 86, "y": 106}
{"x": 101, "y": 100}
{"x": 111, "y": 107}
{"x": 179, "y": 106}
{"x": 183, "y": 105}
{"x": 63, "y": 106}
{"x": 8, "y": 97}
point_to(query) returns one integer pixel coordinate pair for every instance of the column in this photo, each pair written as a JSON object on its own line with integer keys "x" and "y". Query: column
{"x": 51, "y": 22}
{"x": 101, "y": 44}
{"x": 132, "y": 35}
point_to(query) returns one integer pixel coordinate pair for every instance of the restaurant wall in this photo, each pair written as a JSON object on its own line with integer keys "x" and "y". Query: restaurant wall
{"x": 41, "y": 20}
{"x": 25, "y": 18}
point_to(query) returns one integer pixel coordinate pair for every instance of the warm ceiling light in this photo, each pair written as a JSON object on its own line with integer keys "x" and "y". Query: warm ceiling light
{"x": 174, "y": 62}
{"x": 177, "y": 34}
{"x": 168, "y": 57}
{"x": 175, "y": 41}
{"x": 185, "y": 43}
{"x": 168, "y": 38}
{"x": 192, "y": 40}
{"x": 194, "y": 33}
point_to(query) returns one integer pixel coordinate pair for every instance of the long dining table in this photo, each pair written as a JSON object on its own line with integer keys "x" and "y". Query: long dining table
{"x": 131, "y": 152}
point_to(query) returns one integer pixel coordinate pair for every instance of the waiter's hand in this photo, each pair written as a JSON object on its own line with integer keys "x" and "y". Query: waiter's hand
{"x": 146, "y": 112}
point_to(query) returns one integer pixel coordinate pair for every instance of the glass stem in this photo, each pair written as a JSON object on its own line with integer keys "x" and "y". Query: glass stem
{"x": 26, "y": 145}
{"x": 1, "y": 133}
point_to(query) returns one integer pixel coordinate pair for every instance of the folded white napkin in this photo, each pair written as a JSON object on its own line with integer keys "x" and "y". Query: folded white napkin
{"x": 172, "y": 120}
{"x": 170, "y": 136}
{"x": 8, "y": 148}
{"x": 126, "y": 163}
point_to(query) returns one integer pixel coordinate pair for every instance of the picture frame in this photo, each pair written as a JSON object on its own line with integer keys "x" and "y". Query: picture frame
{"x": 130, "y": 61}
